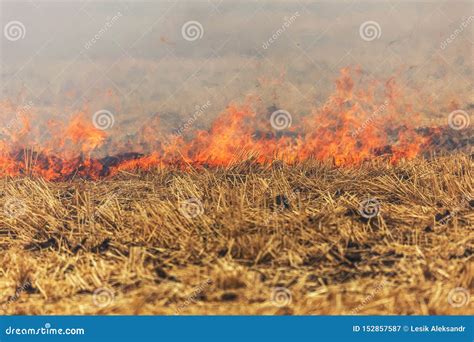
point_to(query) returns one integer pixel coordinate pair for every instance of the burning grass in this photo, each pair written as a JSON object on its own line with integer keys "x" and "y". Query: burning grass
{"x": 360, "y": 121}
{"x": 247, "y": 239}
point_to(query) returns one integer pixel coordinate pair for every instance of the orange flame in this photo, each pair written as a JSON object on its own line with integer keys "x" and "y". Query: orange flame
{"x": 350, "y": 128}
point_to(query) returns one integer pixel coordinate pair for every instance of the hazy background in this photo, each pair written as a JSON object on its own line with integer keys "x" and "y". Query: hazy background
{"x": 142, "y": 67}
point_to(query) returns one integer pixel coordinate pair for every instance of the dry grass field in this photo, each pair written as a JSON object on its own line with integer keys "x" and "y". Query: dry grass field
{"x": 246, "y": 239}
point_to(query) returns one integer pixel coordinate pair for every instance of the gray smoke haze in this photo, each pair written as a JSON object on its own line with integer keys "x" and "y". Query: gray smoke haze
{"x": 143, "y": 59}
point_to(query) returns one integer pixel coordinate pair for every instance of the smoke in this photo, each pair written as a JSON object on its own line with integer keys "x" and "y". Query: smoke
{"x": 133, "y": 60}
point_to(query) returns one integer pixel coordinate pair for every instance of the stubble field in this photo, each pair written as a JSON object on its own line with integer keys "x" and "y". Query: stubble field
{"x": 304, "y": 239}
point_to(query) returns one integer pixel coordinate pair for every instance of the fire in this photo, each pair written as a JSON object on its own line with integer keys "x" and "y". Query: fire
{"x": 353, "y": 126}
{"x": 84, "y": 134}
